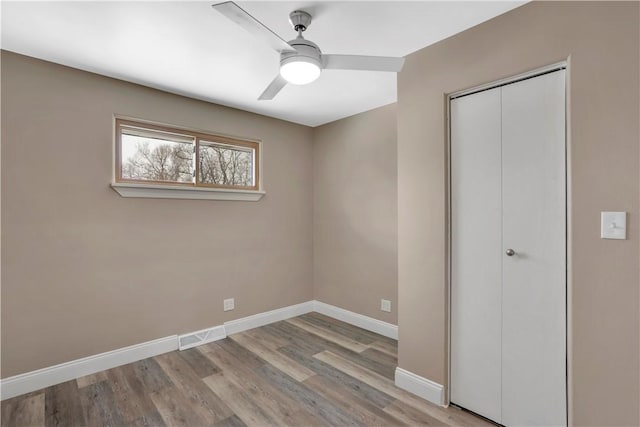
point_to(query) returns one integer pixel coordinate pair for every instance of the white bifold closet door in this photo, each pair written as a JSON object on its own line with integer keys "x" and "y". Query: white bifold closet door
{"x": 508, "y": 193}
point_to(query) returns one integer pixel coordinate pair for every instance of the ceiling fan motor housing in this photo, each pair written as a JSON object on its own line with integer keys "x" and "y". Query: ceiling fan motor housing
{"x": 306, "y": 50}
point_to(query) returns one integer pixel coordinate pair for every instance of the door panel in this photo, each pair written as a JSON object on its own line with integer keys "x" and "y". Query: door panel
{"x": 508, "y": 191}
{"x": 476, "y": 268}
{"x": 534, "y": 226}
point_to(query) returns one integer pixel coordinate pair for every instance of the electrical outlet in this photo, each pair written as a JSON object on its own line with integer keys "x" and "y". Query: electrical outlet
{"x": 229, "y": 304}
{"x": 385, "y": 305}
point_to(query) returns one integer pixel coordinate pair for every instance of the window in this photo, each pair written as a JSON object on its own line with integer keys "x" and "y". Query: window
{"x": 156, "y": 155}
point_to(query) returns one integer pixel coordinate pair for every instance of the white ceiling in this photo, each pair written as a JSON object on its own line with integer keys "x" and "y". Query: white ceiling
{"x": 190, "y": 49}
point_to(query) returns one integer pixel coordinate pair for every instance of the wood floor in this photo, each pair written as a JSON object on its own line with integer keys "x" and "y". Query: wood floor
{"x": 311, "y": 370}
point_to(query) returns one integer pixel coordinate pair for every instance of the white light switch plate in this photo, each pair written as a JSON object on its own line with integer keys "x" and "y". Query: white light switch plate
{"x": 613, "y": 225}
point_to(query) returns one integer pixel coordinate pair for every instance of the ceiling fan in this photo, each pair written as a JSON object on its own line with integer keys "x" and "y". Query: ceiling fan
{"x": 301, "y": 60}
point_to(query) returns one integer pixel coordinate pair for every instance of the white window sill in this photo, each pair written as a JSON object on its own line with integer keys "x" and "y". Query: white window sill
{"x": 151, "y": 191}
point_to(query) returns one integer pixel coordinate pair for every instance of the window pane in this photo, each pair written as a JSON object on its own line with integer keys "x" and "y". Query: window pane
{"x": 156, "y": 157}
{"x": 226, "y": 165}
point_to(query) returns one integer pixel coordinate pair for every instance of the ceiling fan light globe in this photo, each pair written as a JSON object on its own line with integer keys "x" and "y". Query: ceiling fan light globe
{"x": 300, "y": 70}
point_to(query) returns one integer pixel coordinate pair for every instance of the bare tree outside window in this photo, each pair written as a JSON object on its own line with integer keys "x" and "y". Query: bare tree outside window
{"x": 225, "y": 165}
{"x": 157, "y": 160}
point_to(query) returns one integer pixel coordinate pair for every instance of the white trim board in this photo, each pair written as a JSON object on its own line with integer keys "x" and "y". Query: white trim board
{"x": 201, "y": 337}
{"x": 35, "y": 380}
{"x": 421, "y": 387}
{"x": 151, "y": 191}
{"x": 261, "y": 319}
{"x": 365, "y": 322}
{"x": 215, "y": 333}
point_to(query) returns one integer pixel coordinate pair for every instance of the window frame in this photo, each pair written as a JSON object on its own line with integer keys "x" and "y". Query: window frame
{"x": 198, "y": 136}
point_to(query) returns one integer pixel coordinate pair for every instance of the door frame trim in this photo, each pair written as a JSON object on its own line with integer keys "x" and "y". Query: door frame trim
{"x": 508, "y": 80}
{"x": 568, "y": 277}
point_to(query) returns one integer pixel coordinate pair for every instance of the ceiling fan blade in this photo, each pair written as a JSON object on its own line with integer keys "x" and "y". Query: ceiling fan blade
{"x": 274, "y": 87}
{"x": 359, "y": 62}
{"x": 252, "y": 25}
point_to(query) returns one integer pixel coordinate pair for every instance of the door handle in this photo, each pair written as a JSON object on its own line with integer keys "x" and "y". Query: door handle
{"x": 510, "y": 252}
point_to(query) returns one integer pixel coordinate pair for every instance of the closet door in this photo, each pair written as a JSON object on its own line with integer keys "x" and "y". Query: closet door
{"x": 534, "y": 226}
{"x": 476, "y": 270}
{"x": 508, "y": 252}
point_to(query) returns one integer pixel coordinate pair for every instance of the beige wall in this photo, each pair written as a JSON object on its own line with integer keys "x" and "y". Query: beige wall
{"x": 601, "y": 41}
{"x": 355, "y": 213}
{"x": 85, "y": 271}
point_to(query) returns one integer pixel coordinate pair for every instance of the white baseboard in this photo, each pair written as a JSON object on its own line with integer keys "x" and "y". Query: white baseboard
{"x": 35, "y": 380}
{"x": 201, "y": 337}
{"x": 215, "y": 333}
{"x": 422, "y": 387}
{"x": 261, "y": 319}
{"x": 364, "y": 322}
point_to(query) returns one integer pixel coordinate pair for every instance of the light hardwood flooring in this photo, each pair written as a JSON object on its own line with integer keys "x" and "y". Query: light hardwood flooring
{"x": 311, "y": 370}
